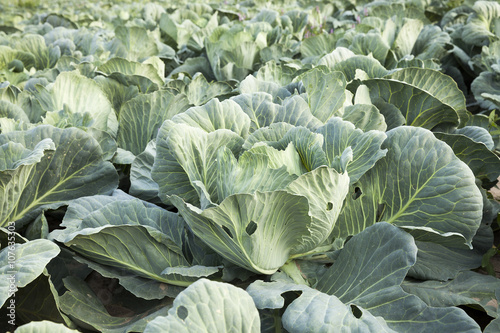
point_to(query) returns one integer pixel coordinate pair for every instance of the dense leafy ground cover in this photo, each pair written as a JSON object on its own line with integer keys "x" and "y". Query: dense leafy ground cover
{"x": 245, "y": 167}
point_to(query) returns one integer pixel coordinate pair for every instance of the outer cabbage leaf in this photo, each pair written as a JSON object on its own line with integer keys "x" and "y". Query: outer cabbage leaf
{"x": 84, "y": 307}
{"x": 339, "y": 135}
{"x": 12, "y": 111}
{"x": 16, "y": 165}
{"x": 75, "y": 168}
{"x": 373, "y": 282}
{"x": 269, "y": 134}
{"x": 30, "y": 261}
{"x": 216, "y": 115}
{"x": 144, "y": 76}
{"x": 365, "y": 117}
{"x": 240, "y": 228}
{"x": 482, "y": 161}
{"x": 141, "y": 117}
{"x": 208, "y": 306}
{"x": 419, "y": 185}
{"x": 406, "y": 38}
{"x": 127, "y": 234}
{"x": 133, "y": 43}
{"x": 142, "y": 184}
{"x": 7, "y": 55}
{"x": 252, "y": 85}
{"x": 325, "y": 190}
{"x": 466, "y": 288}
{"x": 314, "y": 311}
{"x": 370, "y": 43}
{"x": 481, "y": 26}
{"x": 199, "y": 91}
{"x": 351, "y": 65}
{"x": 485, "y": 89}
{"x": 116, "y": 92}
{"x": 80, "y": 95}
{"x": 425, "y": 97}
{"x": 44, "y": 56}
{"x": 233, "y": 51}
{"x": 325, "y": 93}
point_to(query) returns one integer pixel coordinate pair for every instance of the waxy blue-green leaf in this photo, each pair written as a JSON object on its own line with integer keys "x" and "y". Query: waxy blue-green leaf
{"x": 425, "y": 97}
{"x": 75, "y": 168}
{"x": 80, "y": 95}
{"x": 8, "y": 55}
{"x": 262, "y": 168}
{"x": 366, "y": 146}
{"x": 282, "y": 74}
{"x": 392, "y": 115}
{"x": 216, "y": 115}
{"x": 466, "y": 288}
{"x": 439, "y": 259}
{"x": 263, "y": 112}
{"x": 29, "y": 262}
{"x": 12, "y": 111}
{"x": 189, "y": 155}
{"x": 477, "y": 134}
{"x": 419, "y": 185}
{"x": 493, "y": 326}
{"x": 407, "y": 36}
{"x": 83, "y": 306}
{"x": 199, "y": 91}
{"x": 485, "y": 89}
{"x": 440, "y": 262}
{"x": 116, "y": 92}
{"x": 482, "y": 161}
{"x": 133, "y": 43}
{"x": 314, "y": 311}
{"x": 271, "y": 133}
{"x": 39, "y": 300}
{"x": 233, "y": 51}
{"x": 141, "y": 117}
{"x": 139, "y": 286}
{"x": 296, "y": 111}
{"x": 481, "y": 26}
{"x": 249, "y": 230}
{"x": 366, "y": 117}
{"x": 325, "y": 190}
{"x": 432, "y": 43}
{"x": 192, "y": 66}
{"x": 208, "y": 306}
{"x": 308, "y": 144}
{"x": 318, "y": 46}
{"x": 337, "y": 55}
{"x": 195, "y": 151}
{"x": 128, "y": 72}
{"x": 370, "y": 43}
{"x": 142, "y": 185}
{"x": 373, "y": 282}
{"x": 325, "y": 92}
{"x": 16, "y": 165}
{"x": 44, "y": 56}
{"x": 127, "y": 234}
{"x": 252, "y": 85}
{"x": 259, "y": 107}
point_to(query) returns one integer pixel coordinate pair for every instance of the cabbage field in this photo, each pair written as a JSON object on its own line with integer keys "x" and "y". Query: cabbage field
{"x": 249, "y": 166}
